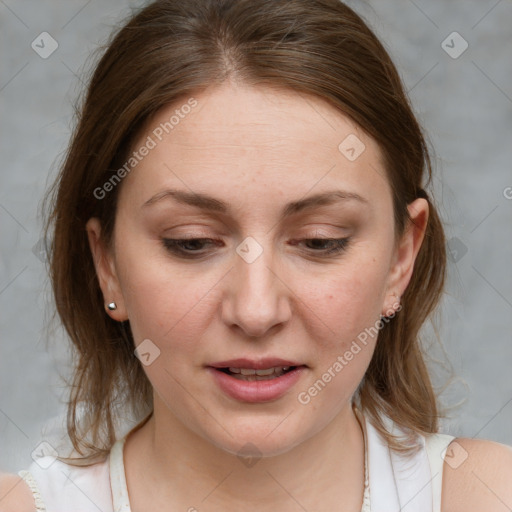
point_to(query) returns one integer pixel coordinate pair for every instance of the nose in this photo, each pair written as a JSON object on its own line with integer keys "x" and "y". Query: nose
{"x": 257, "y": 299}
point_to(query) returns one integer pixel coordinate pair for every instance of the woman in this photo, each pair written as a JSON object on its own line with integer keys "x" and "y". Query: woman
{"x": 244, "y": 251}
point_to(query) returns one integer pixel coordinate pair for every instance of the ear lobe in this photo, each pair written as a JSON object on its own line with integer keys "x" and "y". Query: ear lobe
{"x": 407, "y": 250}
{"x": 105, "y": 271}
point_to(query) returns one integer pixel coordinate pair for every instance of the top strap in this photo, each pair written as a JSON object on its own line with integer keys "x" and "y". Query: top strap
{"x": 118, "y": 486}
{"x": 436, "y": 445}
{"x": 57, "y": 486}
{"x": 406, "y": 483}
{"x": 120, "y": 499}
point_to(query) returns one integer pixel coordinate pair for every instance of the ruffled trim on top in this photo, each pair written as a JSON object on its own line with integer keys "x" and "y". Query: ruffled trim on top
{"x": 30, "y": 481}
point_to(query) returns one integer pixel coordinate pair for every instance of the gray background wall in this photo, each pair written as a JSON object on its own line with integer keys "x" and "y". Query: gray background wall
{"x": 464, "y": 102}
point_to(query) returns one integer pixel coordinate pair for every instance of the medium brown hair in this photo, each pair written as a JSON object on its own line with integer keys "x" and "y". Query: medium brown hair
{"x": 173, "y": 49}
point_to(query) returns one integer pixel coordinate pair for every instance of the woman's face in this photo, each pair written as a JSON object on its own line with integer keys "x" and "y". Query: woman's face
{"x": 257, "y": 178}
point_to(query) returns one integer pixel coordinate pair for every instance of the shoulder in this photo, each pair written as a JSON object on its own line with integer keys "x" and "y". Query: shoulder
{"x": 477, "y": 475}
{"x": 15, "y": 495}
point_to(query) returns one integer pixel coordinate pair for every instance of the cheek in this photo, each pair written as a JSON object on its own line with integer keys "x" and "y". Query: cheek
{"x": 164, "y": 303}
{"x": 347, "y": 307}
{"x": 345, "y": 301}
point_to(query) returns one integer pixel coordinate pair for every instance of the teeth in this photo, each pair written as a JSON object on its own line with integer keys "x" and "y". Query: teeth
{"x": 265, "y": 372}
{"x": 252, "y": 374}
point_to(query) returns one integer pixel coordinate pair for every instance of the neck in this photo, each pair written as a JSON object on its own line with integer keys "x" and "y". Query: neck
{"x": 183, "y": 468}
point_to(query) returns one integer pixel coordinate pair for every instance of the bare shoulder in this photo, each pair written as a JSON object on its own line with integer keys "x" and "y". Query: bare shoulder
{"x": 15, "y": 495}
{"x": 477, "y": 475}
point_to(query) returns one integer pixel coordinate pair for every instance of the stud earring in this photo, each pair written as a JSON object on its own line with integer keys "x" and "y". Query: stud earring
{"x": 112, "y": 306}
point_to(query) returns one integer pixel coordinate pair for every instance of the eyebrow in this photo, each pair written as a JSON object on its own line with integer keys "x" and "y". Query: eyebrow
{"x": 209, "y": 203}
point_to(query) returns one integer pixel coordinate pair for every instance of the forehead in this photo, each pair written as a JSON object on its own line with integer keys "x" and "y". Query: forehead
{"x": 267, "y": 138}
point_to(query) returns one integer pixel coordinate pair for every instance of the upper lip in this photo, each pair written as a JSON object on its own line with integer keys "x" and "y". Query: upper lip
{"x": 256, "y": 364}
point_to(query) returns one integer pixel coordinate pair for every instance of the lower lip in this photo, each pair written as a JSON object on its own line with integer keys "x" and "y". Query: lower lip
{"x": 258, "y": 390}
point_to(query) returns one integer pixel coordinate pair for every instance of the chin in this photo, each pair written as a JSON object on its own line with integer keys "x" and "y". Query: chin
{"x": 257, "y": 447}
{"x": 258, "y": 440}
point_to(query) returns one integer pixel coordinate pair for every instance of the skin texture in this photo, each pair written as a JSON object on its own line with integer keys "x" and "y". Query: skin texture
{"x": 257, "y": 150}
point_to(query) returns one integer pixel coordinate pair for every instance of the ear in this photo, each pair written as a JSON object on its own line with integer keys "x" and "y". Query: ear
{"x": 106, "y": 271}
{"x": 405, "y": 254}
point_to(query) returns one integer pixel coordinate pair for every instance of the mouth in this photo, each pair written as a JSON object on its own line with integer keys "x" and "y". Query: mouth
{"x": 251, "y": 374}
{"x": 263, "y": 380}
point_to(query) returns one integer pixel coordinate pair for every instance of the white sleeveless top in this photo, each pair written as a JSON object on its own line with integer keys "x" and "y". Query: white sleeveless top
{"x": 396, "y": 483}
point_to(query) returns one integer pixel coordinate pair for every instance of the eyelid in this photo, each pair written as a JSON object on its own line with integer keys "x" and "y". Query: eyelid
{"x": 173, "y": 246}
{"x": 340, "y": 244}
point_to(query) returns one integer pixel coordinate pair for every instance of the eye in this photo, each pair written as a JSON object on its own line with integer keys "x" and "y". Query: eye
{"x": 197, "y": 247}
{"x": 326, "y": 246}
{"x": 188, "y": 247}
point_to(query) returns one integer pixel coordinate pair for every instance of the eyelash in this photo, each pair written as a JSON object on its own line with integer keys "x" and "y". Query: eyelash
{"x": 175, "y": 245}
